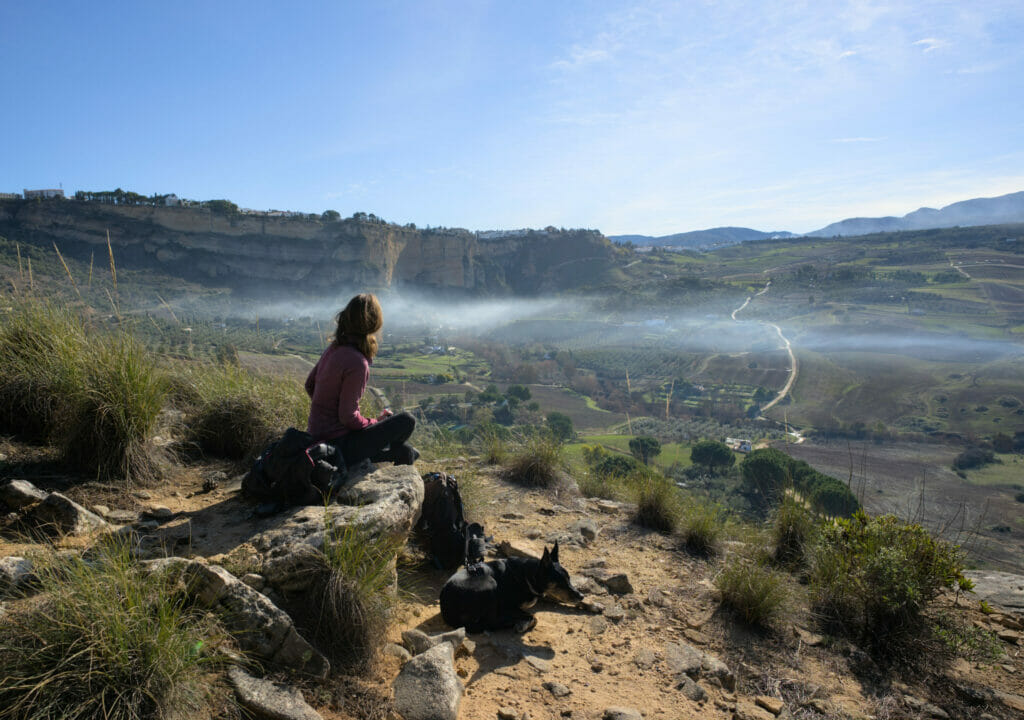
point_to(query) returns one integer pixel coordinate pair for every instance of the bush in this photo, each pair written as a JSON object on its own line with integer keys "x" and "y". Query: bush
{"x": 346, "y": 611}
{"x": 105, "y": 640}
{"x": 973, "y": 457}
{"x": 794, "y": 530}
{"x": 539, "y": 463}
{"x": 658, "y": 504}
{"x": 755, "y": 593}
{"x": 96, "y": 395}
{"x": 233, "y": 413}
{"x": 700, "y": 528}
{"x": 493, "y": 440}
{"x": 872, "y": 577}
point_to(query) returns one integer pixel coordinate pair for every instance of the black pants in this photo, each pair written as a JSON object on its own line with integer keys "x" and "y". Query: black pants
{"x": 384, "y": 441}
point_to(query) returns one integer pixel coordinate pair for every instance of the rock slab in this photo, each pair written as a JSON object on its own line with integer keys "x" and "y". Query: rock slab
{"x": 270, "y": 700}
{"x": 63, "y": 515}
{"x": 16, "y": 494}
{"x": 428, "y": 688}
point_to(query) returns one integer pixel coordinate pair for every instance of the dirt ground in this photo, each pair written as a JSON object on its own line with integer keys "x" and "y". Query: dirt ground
{"x": 618, "y": 658}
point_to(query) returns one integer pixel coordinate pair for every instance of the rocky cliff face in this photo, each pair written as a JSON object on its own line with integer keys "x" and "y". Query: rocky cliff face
{"x": 309, "y": 255}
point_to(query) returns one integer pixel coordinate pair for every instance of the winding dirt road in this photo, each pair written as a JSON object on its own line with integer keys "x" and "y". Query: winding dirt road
{"x": 794, "y": 365}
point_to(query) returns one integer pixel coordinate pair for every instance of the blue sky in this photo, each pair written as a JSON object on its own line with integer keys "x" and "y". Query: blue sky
{"x": 646, "y": 117}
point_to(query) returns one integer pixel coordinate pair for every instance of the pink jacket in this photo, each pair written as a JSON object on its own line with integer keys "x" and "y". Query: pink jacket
{"x": 335, "y": 385}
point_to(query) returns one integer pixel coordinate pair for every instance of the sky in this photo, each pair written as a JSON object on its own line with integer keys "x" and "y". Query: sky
{"x": 630, "y": 117}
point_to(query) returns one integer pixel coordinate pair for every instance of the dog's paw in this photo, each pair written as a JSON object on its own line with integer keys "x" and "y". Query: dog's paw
{"x": 525, "y": 625}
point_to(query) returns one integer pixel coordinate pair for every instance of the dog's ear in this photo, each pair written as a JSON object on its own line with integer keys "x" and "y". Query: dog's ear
{"x": 554, "y": 553}
{"x": 545, "y": 559}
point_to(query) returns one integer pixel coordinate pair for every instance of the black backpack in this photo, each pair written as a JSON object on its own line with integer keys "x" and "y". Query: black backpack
{"x": 295, "y": 470}
{"x": 442, "y": 524}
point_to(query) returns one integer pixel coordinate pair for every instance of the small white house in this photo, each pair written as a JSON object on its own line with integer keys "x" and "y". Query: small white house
{"x": 50, "y": 193}
{"x": 172, "y": 200}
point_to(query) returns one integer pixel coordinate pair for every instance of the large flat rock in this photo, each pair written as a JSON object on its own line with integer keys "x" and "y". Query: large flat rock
{"x": 999, "y": 588}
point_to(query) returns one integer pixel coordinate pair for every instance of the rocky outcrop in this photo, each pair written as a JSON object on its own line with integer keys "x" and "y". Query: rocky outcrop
{"x": 306, "y": 254}
{"x": 385, "y": 503}
{"x": 1003, "y": 589}
{"x": 428, "y": 687}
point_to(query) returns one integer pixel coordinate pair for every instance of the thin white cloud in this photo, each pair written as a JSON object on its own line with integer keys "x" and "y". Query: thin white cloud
{"x": 847, "y": 53}
{"x": 929, "y": 44}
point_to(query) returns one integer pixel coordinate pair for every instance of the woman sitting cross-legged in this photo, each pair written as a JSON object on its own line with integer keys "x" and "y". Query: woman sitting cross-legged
{"x": 336, "y": 384}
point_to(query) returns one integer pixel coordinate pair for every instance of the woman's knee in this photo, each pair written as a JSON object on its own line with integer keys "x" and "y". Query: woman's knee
{"x": 405, "y": 421}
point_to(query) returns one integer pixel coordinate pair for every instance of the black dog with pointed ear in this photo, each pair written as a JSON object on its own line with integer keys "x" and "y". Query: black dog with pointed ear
{"x": 497, "y": 598}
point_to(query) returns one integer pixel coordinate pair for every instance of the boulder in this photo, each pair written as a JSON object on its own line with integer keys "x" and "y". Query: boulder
{"x": 618, "y": 584}
{"x": 15, "y": 574}
{"x": 428, "y": 688}
{"x": 269, "y": 700}
{"x": 691, "y": 690}
{"x": 66, "y": 517}
{"x": 260, "y": 626}
{"x": 16, "y": 494}
{"x": 713, "y": 667}
{"x": 999, "y": 588}
{"x": 385, "y": 502}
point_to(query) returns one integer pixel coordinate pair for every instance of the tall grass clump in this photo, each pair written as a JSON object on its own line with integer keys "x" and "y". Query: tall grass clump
{"x": 117, "y": 411}
{"x": 234, "y": 413}
{"x": 41, "y": 351}
{"x": 352, "y": 595}
{"x": 494, "y": 442}
{"x": 539, "y": 463}
{"x": 872, "y": 577}
{"x": 105, "y": 639}
{"x": 700, "y": 528}
{"x": 794, "y": 530}
{"x": 606, "y": 473}
{"x": 755, "y": 593}
{"x": 658, "y": 503}
{"x": 94, "y": 393}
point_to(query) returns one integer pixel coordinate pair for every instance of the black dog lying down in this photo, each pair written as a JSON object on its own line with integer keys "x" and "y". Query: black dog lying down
{"x": 497, "y": 595}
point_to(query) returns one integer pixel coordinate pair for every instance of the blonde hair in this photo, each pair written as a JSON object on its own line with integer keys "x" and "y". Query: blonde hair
{"x": 358, "y": 322}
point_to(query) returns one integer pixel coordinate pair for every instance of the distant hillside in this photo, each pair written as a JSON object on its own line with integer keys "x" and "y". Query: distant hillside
{"x": 702, "y": 239}
{"x": 979, "y": 211}
{"x": 309, "y": 254}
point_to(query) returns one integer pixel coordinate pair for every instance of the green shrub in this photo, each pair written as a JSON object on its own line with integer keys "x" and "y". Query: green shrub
{"x": 872, "y": 577}
{"x": 105, "y": 640}
{"x": 794, "y": 530}
{"x": 234, "y": 413}
{"x": 95, "y": 394}
{"x": 117, "y": 412}
{"x": 346, "y": 611}
{"x": 493, "y": 441}
{"x": 560, "y": 425}
{"x": 539, "y": 463}
{"x": 658, "y": 504}
{"x": 700, "y": 528}
{"x": 755, "y": 593}
{"x": 599, "y": 485}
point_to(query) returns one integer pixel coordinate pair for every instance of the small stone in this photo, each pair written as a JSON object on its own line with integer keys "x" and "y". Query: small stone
{"x": 717, "y": 669}
{"x": 519, "y": 549}
{"x": 142, "y": 495}
{"x": 657, "y": 597}
{"x": 615, "y": 613}
{"x": 607, "y": 506}
{"x": 618, "y": 584}
{"x": 622, "y": 713}
{"x": 566, "y": 713}
{"x": 1009, "y": 636}
{"x": 397, "y": 651}
{"x": 598, "y": 562}
{"x": 467, "y": 647}
{"x": 533, "y": 533}
{"x": 592, "y": 606}
{"x": 691, "y": 690}
{"x": 597, "y": 625}
{"x": 696, "y": 637}
{"x": 808, "y": 638}
{"x": 596, "y": 666}
{"x": 587, "y": 529}
{"x": 147, "y": 526}
{"x": 15, "y": 573}
{"x": 557, "y": 689}
{"x": 645, "y": 658}
{"x": 513, "y": 516}
{"x": 683, "y": 659}
{"x": 160, "y": 513}
{"x": 507, "y": 713}
{"x": 748, "y": 711}
{"x": 538, "y": 664}
{"x": 771, "y": 704}
{"x": 101, "y": 510}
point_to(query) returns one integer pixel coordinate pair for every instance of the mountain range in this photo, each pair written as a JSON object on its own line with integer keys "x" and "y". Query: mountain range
{"x": 978, "y": 211}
